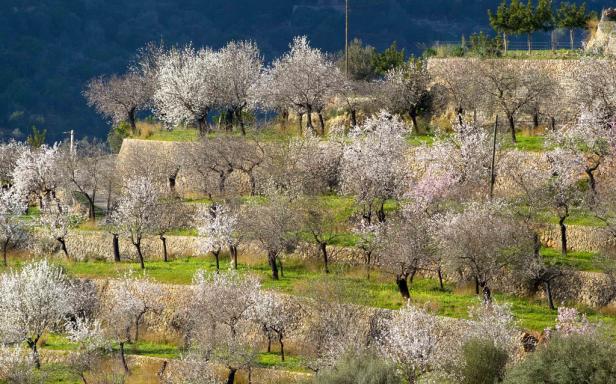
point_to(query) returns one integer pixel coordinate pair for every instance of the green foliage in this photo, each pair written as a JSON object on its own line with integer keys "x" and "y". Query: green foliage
{"x": 37, "y": 138}
{"x": 363, "y": 368}
{"x": 117, "y": 135}
{"x": 571, "y": 16}
{"x": 483, "y": 362}
{"x": 361, "y": 61}
{"x": 483, "y": 45}
{"x": 389, "y": 59}
{"x": 568, "y": 360}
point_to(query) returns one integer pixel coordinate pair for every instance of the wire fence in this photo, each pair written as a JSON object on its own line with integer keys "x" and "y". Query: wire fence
{"x": 540, "y": 45}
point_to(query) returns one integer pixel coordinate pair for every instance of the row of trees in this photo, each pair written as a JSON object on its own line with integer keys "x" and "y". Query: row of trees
{"x": 227, "y": 317}
{"x": 515, "y": 18}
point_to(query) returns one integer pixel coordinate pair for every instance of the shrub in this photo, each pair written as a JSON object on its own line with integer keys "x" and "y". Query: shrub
{"x": 483, "y": 362}
{"x": 365, "y": 368}
{"x": 568, "y": 360}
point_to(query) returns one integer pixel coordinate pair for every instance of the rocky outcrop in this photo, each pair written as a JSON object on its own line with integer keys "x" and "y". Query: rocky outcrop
{"x": 604, "y": 40}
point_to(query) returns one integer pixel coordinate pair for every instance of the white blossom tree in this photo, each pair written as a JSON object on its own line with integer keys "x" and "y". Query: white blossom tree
{"x": 33, "y": 301}
{"x": 481, "y": 242}
{"x": 278, "y": 317}
{"x": 92, "y": 346}
{"x": 186, "y": 92}
{"x": 12, "y": 228}
{"x": 10, "y": 152}
{"x": 135, "y": 213}
{"x": 373, "y": 166}
{"x": 57, "y": 218}
{"x": 303, "y": 79}
{"x": 37, "y": 173}
{"x": 128, "y": 301}
{"x": 410, "y": 341}
{"x": 238, "y": 70}
{"x": 222, "y": 306}
{"x": 405, "y": 89}
{"x": 217, "y": 226}
{"x": 119, "y": 98}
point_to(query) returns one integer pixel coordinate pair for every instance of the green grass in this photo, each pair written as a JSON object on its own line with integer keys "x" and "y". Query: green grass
{"x": 530, "y": 143}
{"x": 577, "y": 216}
{"x": 183, "y": 135}
{"x": 579, "y": 260}
{"x": 544, "y": 54}
{"x": 272, "y": 360}
{"x": 306, "y": 279}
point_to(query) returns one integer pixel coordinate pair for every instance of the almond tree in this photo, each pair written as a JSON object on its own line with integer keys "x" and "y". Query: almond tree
{"x": 216, "y": 226}
{"x": 239, "y": 67}
{"x": 57, "y": 218}
{"x": 274, "y": 226}
{"x": 92, "y": 346}
{"x": 135, "y": 213}
{"x": 186, "y": 91}
{"x": 303, "y": 79}
{"x": 320, "y": 222}
{"x": 563, "y": 191}
{"x": 128, "y": 300}
{"x": 373, "y": 164}
{"x": 33, "y": 301}
{"x": 407, "y": 249}
{"x": 10, "y": 152}
{"x": 405, "y": 89}
{"x": 592, "y": 138}
{"x": 278, "y": 316}
{"x": 222, "y": 306}
{"x": 119, "y": 98}
{"x": 85, "y": 168}
{"x": 595, "y": 87}
{"x": 409, "y": 339}
{"x": 481, "y": 242}
{"x": 170, "y": 214}
{"x": 12, "y": 228}
{"x": 510, "y": 87}
{"x": 37, "y": 173}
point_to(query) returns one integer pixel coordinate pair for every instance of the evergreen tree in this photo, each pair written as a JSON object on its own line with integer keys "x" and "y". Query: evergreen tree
{"x": 527, "y": 23}
{"x": 571, "y": 17}
{"x": 500, "y": 21}
{"x": 389, "y": 59}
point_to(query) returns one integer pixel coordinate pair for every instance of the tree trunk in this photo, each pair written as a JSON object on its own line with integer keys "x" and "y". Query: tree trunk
{"x": 403, "y": 287}
{"x": 512, "y": 127}
{"x": 253, "y": 184}
{"x": 440, "y": 278}
{"x": 164, "y": 241}
{"x": 413, "y": 114}
{"x": 281, "y": 347}
{"x": 271, "y": 258}
{"x": 137, "y": 322}
{"x": 530, "y": 43}
{"x": 300, "y": 121}
{"x": 536, "y": 245}
{"x": 91, "y": 209}
{"x": 353, "y": 118}
{"x": 505, "y": 42}
{"x": 381, "y": 212}
{"x": 591, "y": 178}
{"x": 172, "y": 183}
{"x": 309, "y": 126}
{"x": 5, "y": 250}
{"x": 571, "y": 39}
{"x": 35, "y": 354}
{"x": 563, "y": 235}
{"x": 552, "y": 123}
{"x": 123, "y": 358}
{"x": 323, "y": 248}
{"x": 240, "y": 119}
{"x": 202, "y": 125}
{"x": 231, "y": 377}
{"x": 233, "y": 252}
{"x": 229, "y": 120}
{"x": 322, "y": 124}
{"x": 116, "y": 248}
{"x": 137, "y": 245}
{"x": 487, "y": 293}
{"x": 131, "y": 121}
{"x": 280, "y": 265}
{"x": 476, "y": 286}
{"x": 222, "y": 178}
{"x": 536, "y": 118}
{"x": 269, "y": 341}
{"x": 548, "y": 293}
{"x": 217, "y": 257}
{"x": 63, "y": 247}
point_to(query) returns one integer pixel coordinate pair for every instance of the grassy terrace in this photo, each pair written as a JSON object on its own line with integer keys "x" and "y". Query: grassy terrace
{"x": 306, "y": 279}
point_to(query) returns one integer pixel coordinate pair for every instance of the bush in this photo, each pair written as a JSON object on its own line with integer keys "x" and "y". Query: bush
{"x": 483, "y": 363}
{"x": 360, "y": 369}
{"x": 117, "y": 135}
{"x": 568, "y": 360}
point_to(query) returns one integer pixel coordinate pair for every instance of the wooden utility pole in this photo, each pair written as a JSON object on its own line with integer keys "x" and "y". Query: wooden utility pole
{"x": 346, "y": 38}
{"x": 493, "y": 166}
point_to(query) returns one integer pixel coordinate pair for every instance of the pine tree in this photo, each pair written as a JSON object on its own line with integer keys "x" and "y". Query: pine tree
{"x": 500, "y": 21}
